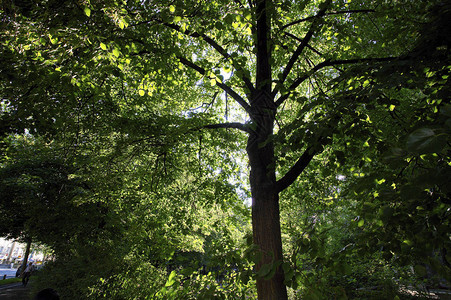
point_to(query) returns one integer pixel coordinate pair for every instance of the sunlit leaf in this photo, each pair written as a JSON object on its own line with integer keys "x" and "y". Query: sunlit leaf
{"x": 87, "y": 11}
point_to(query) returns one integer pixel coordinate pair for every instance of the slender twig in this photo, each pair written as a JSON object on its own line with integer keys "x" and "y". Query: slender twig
{"x": 328, "y": 14}
{"x": 327, "y": 63}
{"x": 300, "y": 40}
{"x": 375, "y": 25}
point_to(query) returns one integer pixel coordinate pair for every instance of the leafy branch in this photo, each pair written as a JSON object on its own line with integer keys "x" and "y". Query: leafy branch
{"x": 223, "y": 86}
{"x": 326, "y": 63}
{"x": 308, "y": 36}
{"x": 215, "y": 45}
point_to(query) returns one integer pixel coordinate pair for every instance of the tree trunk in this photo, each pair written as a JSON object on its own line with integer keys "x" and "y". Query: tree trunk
{"x": 27, "y": 253}
{"x": 265, "y": 206}
{"x": 260, "y": 149}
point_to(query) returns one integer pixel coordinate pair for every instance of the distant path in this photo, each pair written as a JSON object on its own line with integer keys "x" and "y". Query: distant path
{"x": 10, "y": 285}
{"x": 14, "y": 291}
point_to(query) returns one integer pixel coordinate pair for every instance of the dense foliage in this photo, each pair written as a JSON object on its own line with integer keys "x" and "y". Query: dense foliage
{"x": 136, "y": 134}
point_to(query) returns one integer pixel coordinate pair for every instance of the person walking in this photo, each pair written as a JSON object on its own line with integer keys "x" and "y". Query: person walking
{"x": 26, "y": 274}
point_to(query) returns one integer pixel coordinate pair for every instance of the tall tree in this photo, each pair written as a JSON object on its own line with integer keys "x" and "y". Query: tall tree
{"x": 278, "y": 61}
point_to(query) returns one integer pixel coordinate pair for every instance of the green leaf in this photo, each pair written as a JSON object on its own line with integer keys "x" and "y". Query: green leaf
{"x": 121, "y": 24}
{"x": 425, "y": 140}
{"x": 408, "y": 242}
{"x": 361, "y": 222}
{"x": 141, "y": 93}
{"x": 116, "y": 52}
{"x": 264, "y": 270}
{"x": 103, "y": 46}
{"x": 87, "y": 11}
{"x": 171, "y": 279}
{"x": 273, "y": 270}
{"x": 172, "y": 8}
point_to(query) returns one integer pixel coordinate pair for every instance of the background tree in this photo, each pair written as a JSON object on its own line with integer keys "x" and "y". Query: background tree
{"x": 379, "y": 203}
{"x": 408, "y": 207}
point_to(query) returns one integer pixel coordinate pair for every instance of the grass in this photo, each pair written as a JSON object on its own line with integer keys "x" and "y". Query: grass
{"x": 10, "y": 280}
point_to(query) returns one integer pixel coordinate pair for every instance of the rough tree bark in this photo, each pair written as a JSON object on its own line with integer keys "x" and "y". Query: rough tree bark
{"x": 260, "y": 149}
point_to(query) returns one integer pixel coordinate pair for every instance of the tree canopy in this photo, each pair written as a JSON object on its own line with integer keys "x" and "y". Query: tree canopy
{"x": 168, "y": 111}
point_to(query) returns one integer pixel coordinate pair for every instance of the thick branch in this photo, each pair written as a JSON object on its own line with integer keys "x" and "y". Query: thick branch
{"x": 327, "y": 63}
{"x": 296, "y": 170}
{"x": 234, "y": 125}
{"x": 263, "y": 52}
{"x": 308, "y": 154}
{"x": 223, "y": 86}
{"x": 328, "y": 14}
{"x": 300, "y": 48}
